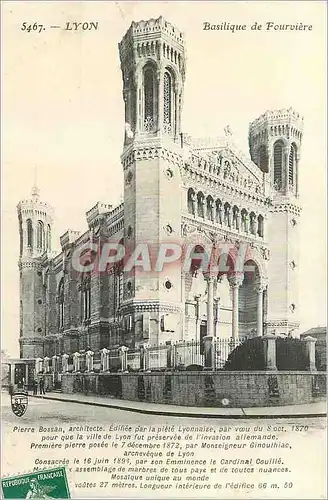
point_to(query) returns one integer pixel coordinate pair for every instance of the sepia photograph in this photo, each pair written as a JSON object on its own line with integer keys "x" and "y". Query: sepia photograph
{"x": 164, "y": 327}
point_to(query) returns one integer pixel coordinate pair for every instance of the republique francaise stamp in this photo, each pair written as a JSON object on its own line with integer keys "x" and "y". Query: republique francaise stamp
{"x": 51, "y": 483}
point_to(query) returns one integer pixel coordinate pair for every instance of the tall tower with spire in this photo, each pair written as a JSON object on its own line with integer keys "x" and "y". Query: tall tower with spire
{"x": 152, "y": 58}
{"x": 35, "y": 219}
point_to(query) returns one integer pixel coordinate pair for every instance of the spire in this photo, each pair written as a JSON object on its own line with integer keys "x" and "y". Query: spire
{"x": 35, "y": 189}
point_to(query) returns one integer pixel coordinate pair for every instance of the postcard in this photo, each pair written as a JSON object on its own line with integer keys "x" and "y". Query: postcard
{"x": 163, "y": 249}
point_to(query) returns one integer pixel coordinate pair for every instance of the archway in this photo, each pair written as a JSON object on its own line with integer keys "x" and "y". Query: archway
{"x": 248, "y": 301}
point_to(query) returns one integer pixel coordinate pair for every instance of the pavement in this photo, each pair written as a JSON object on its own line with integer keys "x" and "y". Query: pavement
{"x": 318, "y": 409}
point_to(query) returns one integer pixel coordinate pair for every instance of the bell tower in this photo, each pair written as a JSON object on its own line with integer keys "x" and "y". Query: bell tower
{"x": 35, "y": 220}
{"x": 275, "y": 140}
{"x": 153, "y": 70}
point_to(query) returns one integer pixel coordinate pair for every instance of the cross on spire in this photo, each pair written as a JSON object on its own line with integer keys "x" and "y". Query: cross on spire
{"x": 35, "y": 189}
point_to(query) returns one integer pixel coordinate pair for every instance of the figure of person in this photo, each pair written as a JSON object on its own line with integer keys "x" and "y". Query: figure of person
{"x": 35, "y": 387}
{"x": 36, "y": 490}
{"x": 42, "y": 386}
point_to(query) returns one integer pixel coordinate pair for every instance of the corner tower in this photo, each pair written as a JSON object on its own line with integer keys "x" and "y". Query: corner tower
{"x": 275, "y": 140}
{"x": 35, "y": 229}
{"x": 153, "y": 69}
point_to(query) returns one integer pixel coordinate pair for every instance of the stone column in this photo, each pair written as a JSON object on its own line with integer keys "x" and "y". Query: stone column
{"x": 260, "y": 289}
{"x": 197, "y": 313}
{"x": 210, "y": 297}
{"x": 209, "y": 352}
{"x": 235, "y": 283}
{"x": 89, "y": 361}
{"x": 76, "y": 362}
{"x": 124, "y": 357}
{"x": 237, "y": 218}
{"x": 310, "y": 352}
{"x": 46, "y": 364}
{"x": 246, "y": 223}
{"x": 104, "y": 359}
{"x": 213, "y": 211}
{"x": 194, "y": 204}
{"x": 38, "y": 365}
{"x": 169, "y": 352}
{"x": 285, "y": 170}
{"x": 217, "y": 316}
{"x": 270, "y": 351}
{"x": 65, "y": 363}
{"x": 144, "y": 357}
{"x": 54, "y": 363}
{"x": 220, "y": 216}
{"x": 159, "y": 112}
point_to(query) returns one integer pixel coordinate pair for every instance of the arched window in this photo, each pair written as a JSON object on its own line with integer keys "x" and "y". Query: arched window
{"x": 263, "y": 159}
{"x": 218, "y": 211}
{"x": 167, "y": 99}
{"x": 291, "y": 164}
{"x": 29, "y": 233}
{"x": 200, "y": 204}
{"x": 196, "y": 262}
{"x": 191, "y": 201}
{"x": 86, "y": 293}
{"x": 260, "y": 226}
{"x": 227, "y": 214}
{"x": 244, "y": 220}
{"x": 40, "y": 235}
{"x": 209, "y": 208}
{"x": 48, "y": 238}
{"x": 149, "y": 99}
{"x": 252, "y": 223}
{"x": 61, "y": 303}
{"x": 277, "y": 165}
{"x": 236, "y": 218}
{"x": 132, "y": 101}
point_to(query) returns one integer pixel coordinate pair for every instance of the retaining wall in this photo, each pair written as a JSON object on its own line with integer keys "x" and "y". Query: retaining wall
{"x": 218, "y": 389}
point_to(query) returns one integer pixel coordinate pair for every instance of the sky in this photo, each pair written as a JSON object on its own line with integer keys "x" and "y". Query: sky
{"x": 63, "y": 114}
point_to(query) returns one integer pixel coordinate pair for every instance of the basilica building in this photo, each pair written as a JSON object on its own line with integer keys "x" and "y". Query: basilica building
{"x": 202, "y": 192}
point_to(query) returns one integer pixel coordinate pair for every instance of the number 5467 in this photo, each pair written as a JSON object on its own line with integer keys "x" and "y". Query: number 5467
{"x": 32, "y": 27}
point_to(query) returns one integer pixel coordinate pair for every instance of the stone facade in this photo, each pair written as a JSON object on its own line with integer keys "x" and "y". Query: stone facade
{"x": 176, "y": 190}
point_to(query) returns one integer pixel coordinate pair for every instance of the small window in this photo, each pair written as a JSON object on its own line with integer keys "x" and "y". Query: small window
{"x": 149, "y": 94}
{"x": 168, "y": 229}
{"x": 40, "y": 236}
{"x": 277, "y": 165}
{"x": 29, "y": 233}
{"x": 169, "y": 173}
{"x": 167, "y": 98}
{"x": 168, "y": 285}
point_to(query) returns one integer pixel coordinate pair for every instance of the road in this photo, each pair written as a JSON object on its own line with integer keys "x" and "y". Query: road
{"x": 57, "y": 413}
{"x": 305, "y": 455}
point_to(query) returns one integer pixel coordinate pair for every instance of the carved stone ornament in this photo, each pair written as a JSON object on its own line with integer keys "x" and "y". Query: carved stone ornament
{"x": 129, "y": 178}
{"x": 188, "y": 229}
